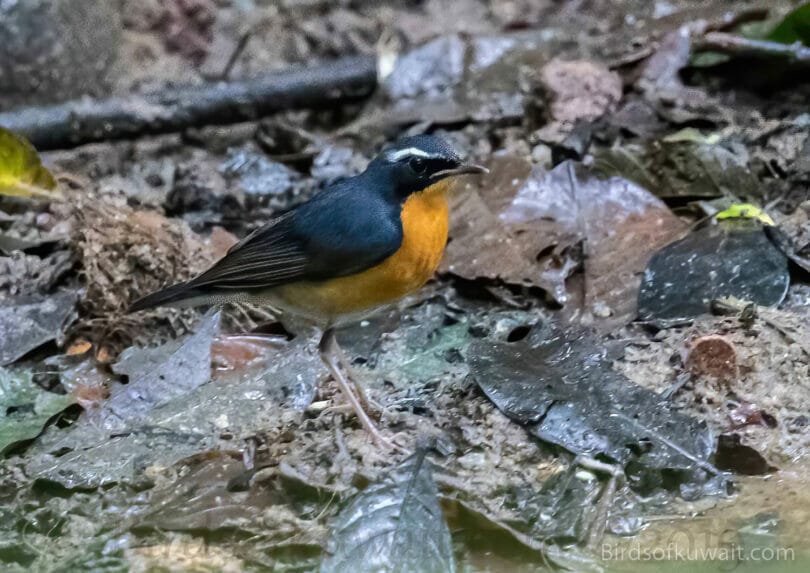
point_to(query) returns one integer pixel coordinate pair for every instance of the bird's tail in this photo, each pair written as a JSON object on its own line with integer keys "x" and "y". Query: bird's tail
{"x": 181, "y": 294}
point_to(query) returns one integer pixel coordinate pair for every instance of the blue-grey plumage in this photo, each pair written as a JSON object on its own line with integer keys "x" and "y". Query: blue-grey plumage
{"x": 348, "y": 228}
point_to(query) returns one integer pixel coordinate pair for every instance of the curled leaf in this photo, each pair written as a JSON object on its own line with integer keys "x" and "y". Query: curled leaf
{"x": 21, "y": 170}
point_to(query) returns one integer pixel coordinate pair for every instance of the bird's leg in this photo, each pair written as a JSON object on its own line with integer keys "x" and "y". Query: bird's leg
{"x": 329, "y": 355}
{"x": 368, "y": 403}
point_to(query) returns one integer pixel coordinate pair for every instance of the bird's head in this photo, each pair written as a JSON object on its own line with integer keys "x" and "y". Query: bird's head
{"x": 420, "y": 163}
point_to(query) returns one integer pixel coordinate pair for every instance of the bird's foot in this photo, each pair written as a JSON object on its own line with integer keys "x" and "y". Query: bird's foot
{"x": 330, "y": 354}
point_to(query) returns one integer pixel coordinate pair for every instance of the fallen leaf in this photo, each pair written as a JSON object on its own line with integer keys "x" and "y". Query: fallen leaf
{"x": 745, "y": 211}
{"x": 748, "y": 414}
{"x": 563, "y": 388}
{"x": 237, "y": 352}
{"x": 393, "y": 525}
{"x": 682, "y": 169}
{"x": 27, "y": 323}
{"x": 792, "y": 235}
{"x": 523, "y": 227}
{"x": 172, "y": 411}
{"x": 21, "y": 170}
{"x": 734, "y": 258}
{"x": 158, "y": 375}
{"x": 483, "y": 245}
{"x": 25, "y": 407}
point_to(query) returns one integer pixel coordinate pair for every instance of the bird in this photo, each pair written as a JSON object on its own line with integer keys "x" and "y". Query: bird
{"x": 360, "y": 244}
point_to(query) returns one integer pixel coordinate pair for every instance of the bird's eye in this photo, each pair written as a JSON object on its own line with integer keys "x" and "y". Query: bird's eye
{"x": 417, "y": 165}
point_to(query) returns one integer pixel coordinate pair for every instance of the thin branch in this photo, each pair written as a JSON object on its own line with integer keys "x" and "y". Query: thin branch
{"x": 739, "y": 46}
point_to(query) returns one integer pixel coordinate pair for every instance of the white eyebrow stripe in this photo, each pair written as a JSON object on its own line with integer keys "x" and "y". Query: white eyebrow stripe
{"x": 409, "y": 151}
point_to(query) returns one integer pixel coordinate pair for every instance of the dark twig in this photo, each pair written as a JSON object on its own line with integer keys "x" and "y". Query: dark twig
{"x": 83, "y": 121}
{"x": 235, "y": 55}
{"x": 739, "y": 46}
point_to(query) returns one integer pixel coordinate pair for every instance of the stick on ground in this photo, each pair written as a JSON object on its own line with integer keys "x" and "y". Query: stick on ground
{"x": 739, "y": 46}
{"x": 83, "y": 121}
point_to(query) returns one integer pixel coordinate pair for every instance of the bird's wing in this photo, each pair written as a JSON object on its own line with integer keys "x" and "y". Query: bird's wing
{"x": 339, "y": 233}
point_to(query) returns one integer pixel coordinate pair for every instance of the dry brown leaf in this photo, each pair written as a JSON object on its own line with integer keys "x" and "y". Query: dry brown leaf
{"x": 522, "y": 225}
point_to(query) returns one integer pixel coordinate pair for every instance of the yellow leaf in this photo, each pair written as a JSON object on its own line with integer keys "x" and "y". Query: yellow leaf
{"x": 21, "y": 170}
{"x": 692, "y": 135}
{"x": 746, "y": 211}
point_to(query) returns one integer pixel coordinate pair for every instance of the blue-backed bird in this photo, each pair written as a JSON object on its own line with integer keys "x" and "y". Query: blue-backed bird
{"x": 358, "y": 245}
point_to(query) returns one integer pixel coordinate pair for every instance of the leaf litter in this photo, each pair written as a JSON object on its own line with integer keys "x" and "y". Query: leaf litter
{"x": 257, "y": 461}
{"x": 531, "y": 235}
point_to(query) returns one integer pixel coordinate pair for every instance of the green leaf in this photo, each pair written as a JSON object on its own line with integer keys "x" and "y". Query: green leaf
{"x": 745, "y": 211}
{"x": 25, "y": 407}
{"x": 21, "y": 170}
{"x": 794, "y": 28}
{"x": 692, "y": 135}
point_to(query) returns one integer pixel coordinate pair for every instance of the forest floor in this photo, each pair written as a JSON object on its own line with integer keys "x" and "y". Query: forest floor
{"x": 561, "y": 343}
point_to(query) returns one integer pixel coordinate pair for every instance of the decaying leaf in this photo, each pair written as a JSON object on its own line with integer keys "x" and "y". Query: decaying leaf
{"x": 26, "y": 323}
{"x": 158, "y": 375}
{"x": 170, "y": 411}
{"x": 734, "y": 258}
{"x": 564, "y": 389}
{"x": 524, "y": 229}
{"x": 682, "y": 168}
{"x": 25, "y": 407}
{"x": 21, "y": 170}
{"x": 393, "y": 525}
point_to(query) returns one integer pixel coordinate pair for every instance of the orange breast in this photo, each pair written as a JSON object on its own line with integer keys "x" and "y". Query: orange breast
{"x": 424, "y": 230}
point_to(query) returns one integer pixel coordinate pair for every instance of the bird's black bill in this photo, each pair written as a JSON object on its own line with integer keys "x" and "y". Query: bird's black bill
{"x": 460, "y": 170}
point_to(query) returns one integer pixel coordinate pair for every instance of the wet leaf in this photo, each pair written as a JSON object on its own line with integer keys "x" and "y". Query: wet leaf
{"x": 431, "y": 69}
{"x": 485, "y": 535}
{"x": 734, "y": 258}
{"x": 564, "y": 389}
{"x": 524, "y": 229}
{"x": 254, "y": 174}
{"x": 21, "y": 170}
{"x": 795, "y": 27}
{"x": 158, "y": 375}
{"x": 25, "y": 407}
{"x": 163, "y": 420}
{"x": 394, "y": 525}
{"x": 27, "y": 323}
